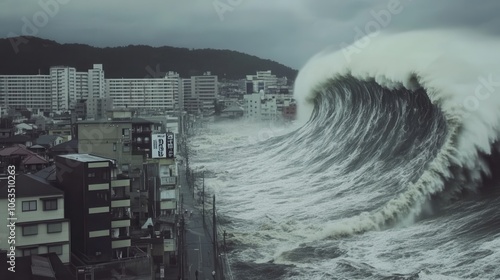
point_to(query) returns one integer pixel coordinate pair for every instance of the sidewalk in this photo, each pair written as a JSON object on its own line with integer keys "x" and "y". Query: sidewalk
{"x": 198, "y": 248}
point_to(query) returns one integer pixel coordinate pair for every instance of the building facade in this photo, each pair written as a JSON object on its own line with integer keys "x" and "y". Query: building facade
{"x": 26, "y": 91}
{"x": 41, "y": 226}
{"x": 99, "y": 202}
{"x": 56, "y": 92}
{"x": 146, "y": 94}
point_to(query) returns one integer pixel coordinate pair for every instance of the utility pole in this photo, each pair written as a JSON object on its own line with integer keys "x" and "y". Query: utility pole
{"x": 225, "y": 241}
{"x": 214, "y": 232}
{"x": 203, "y": 196}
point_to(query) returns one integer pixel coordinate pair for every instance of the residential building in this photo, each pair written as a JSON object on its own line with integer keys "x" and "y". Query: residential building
{"x": 100, "y": 202}
{"x": 97, "y": 107}
{"x": 200, "y": 92}
{"x": 126, "y": 140}
{"x": 41, "y": 225}
{"x": 152, "y": 93}
{"x": 26, "y": 91}
{"x": 63, "y": 88}
{"x": 49, "y": 141}
{"x": 56, "y": 92}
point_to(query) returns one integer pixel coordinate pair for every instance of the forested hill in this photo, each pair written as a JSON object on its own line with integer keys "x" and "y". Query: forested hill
{"x": 29, "y": 55}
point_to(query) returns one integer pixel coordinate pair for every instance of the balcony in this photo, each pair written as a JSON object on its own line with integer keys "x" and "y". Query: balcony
{"x": 120, "y": 213}
{"x": 120, "y": 183}
{"x": 121, "y": 243}
{"x": 120, "y": 202}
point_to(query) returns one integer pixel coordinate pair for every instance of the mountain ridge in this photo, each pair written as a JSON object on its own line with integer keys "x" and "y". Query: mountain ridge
{"x": 33, "y": 55}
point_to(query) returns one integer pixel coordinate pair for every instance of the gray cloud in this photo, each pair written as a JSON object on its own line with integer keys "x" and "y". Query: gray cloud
{"x": 288, "y": 31}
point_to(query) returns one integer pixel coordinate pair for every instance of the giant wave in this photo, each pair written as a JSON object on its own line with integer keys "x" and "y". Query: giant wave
{"x": 454, "y": 70}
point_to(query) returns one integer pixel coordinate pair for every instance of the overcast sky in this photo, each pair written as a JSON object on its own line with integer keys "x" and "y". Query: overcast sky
{"x": 287, "y": 31}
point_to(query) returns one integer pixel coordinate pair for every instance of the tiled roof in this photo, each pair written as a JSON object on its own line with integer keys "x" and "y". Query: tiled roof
{"x": 46, "y": 139}
{"x": 34, "y": 159}
{"x": 28, "y": 185}
{"x": 18, "y": 149}
{"x": 48, "y": 173}
{"x": 69, "y": 146}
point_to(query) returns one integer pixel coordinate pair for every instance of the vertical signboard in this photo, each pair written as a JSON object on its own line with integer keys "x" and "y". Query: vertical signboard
{"x": 159, "y": 146}
{"x": 170, "y": 145}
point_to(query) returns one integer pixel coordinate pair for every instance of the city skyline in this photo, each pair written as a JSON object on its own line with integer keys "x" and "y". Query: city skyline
{"x": 289, "y": 32}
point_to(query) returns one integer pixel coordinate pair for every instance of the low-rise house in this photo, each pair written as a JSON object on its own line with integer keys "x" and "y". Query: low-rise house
{"x": 49, "y": 141}
{"x": 40, "y": 225}
{"x": 33, "y": 163}
{"x": 13, "y": 155}
{"x": 25, "y": 128}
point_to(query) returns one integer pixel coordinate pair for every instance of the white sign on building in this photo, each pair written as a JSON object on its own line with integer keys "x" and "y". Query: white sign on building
{"x": 158, "y": 145}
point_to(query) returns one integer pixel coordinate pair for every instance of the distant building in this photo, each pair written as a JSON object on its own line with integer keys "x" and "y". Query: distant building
{"x": 258, "y": 106}
{"x": 49, "y": 141}
{"x": 56, "y": 92}
{"x": 97, "y": 107}
{"x": 266, "y": 81}
{"x": 26, "y": 91}
{"x": 151, "y": 93}
{"x": 199, "y": 93}
{"x": 41, "y": 225}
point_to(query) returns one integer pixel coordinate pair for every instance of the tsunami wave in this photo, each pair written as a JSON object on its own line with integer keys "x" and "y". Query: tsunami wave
{"x": 416, "y": 113}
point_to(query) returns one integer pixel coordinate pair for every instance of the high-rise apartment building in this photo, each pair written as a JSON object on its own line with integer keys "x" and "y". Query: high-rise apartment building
{"x": 26, "y": 91}
{"x": 57, "y": 92}
{"x": 152, "y": 93}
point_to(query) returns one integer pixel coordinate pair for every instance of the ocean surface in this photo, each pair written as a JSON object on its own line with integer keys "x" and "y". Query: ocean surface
{"x": 390, "y": 171}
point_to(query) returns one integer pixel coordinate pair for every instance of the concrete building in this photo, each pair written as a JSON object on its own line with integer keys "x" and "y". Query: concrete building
{"x": 97, "y": 107}
{"x": 56, "y": 92}
{"x": 200, "y": 92}
{"x": 63, "y": 88}
{"x": 259, "y": 106}
{"x": 26, "y": 91}
{"x": 99, "y": 202}
{"x": 41, "y": 225}
{"x": 96, "y": 82}
{"x": 128, "y": 141}
{"x": 145, "y": 94}
{"x": 269, "y": 107}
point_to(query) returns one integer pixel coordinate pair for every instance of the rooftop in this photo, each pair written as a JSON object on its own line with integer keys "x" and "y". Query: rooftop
{"x": 29, "y": 185}
{"x": 68, "y": 146}
{"x": 41, "y": 267}
{"x": 131, "y": 120}
{"x": 85, "y": 157}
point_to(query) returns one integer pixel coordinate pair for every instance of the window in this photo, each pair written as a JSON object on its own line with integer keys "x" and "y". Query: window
{"x": 29, "y": 205}
{"x": 30, "y": 230}
{"x": 50, "y": 204}
{"x": 125, "y": 167}
{"x": 54, "y": 227}
{"x": 30, "y": 251}
{"x": 126, "y": 147}
{"x": 125, "y": 132}
{"x": 114, "y": 147}
{"x": 91, "y": 174}
{"x": 55, "y": 249}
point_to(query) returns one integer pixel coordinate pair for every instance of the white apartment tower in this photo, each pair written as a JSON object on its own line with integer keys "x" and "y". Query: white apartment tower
{"x": 63, "y": 88}
{"x": 26, "y": 91}
{"x": 96, "y": 82}
{"x": 152, "y": 93}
